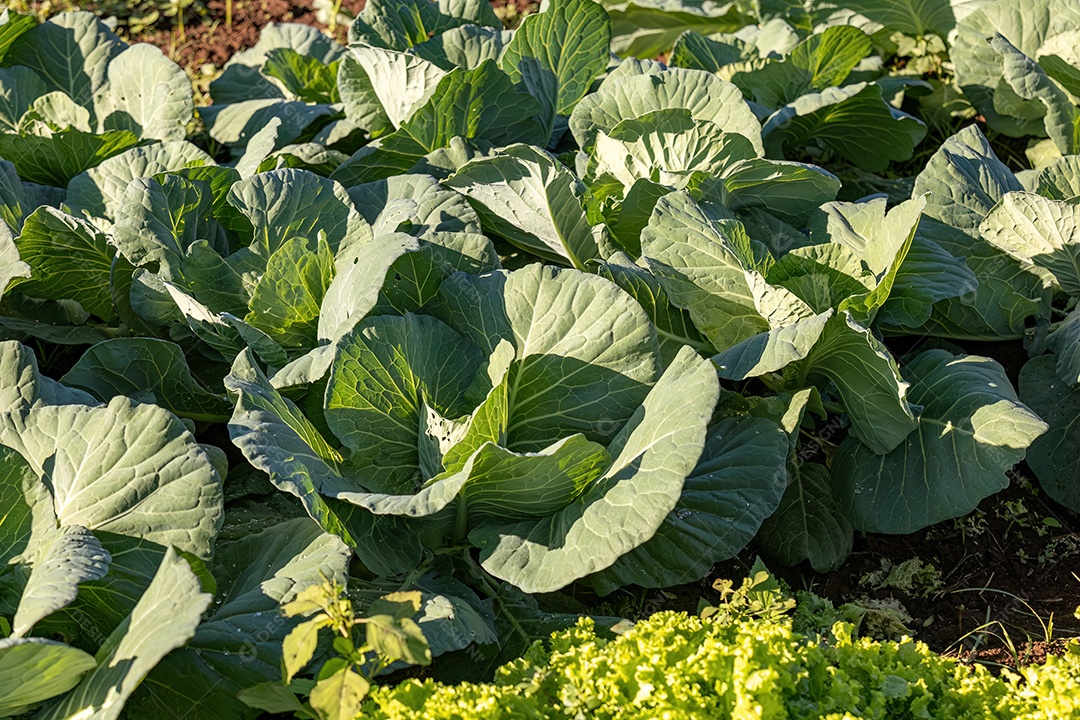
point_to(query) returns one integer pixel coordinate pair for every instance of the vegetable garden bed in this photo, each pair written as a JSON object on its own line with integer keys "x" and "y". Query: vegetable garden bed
{"x": 349, "y": 345}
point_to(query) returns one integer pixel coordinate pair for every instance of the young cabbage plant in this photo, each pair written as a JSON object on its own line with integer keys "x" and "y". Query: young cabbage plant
{"x": 1021, "y": 70}
{"x": 529, "y": 417}
{"x": 811, "y": 94}
{"x": 1041, "y": 231}
{"x": 288, "y": 78}
{"x": 804, "y": 321}
{"x": 76, "y": 95}
{"x": 110, "y": 513}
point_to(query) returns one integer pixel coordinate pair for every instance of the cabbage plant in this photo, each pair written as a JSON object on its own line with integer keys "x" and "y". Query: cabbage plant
{"x": 289, "y": 77}
{"x": 1040, "y": 230}
{"x": 812, "y": 91}
{"x": 528, "y": 416}
{"x": 1021, "y": 69}
{"x": 75, "y": 94}
{"x": 112, "y": 540}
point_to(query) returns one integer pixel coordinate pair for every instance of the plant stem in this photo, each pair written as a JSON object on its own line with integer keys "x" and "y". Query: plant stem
{"x": 180, "y": 20}
{"x": 461, "y": 527}
{"x": 493, "y": 592}
{"x": 415, "y": 574}
{"x": 334, "y": 11}
{"x": 228, "y": 13}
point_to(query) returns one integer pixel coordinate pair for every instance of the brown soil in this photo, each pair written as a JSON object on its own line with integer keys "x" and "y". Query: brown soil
{"x": 522, "y": 6}
{"x": 1005, "y": 571}
{"x": 1012, "y": 564}
{"x": 209, "y": 41}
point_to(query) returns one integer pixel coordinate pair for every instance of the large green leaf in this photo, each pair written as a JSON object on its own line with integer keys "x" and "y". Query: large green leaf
{"x": 1040, "y": 231}
{"x": 71, "y": 52}
{"x": 239, "y": 644}
{"x": 568, "y": 40}
{"x": 964, "y": 181}
{"x": 482, "y": 103}
{"x": 868, "y": 380}
{"x": 29, "y": 522}
{"x": 282, "y": 204}
{"x": 224, "y": 284}
{"x": 24, "y": 386}
{"x": 57, "y": 157}
{"x": 355, "y": 290}
{"x": 632, "y": 95}
{"x": 585, "y": 351}
{"x": 654, "y": 453}
{"x": 1058, "y": 57}
{"x": 75, "y": 556}
{"x": 69, "y": 259}
{"x": 495, "y": 483}
{"x": 875, "y": 236}
{"x": 398, "y": 82}
{"x": 823, "y": 276}
{"x": 164, "y": 619}
{"x": 99, "y": 191}
{"x": 121, "y": 468}
{"x": 971, "y": 431}
{"x": 12, "y": 269}
{"x": 161, "y": 221}
{"x": 285, "y": 303}
{"x": 674, "y": 326}
{"x": 19, "y": 489}
{"x": 55, "y": 110}
{"x": 927, "y": 275}
{"x": 1055, "y": 456}
{"x": 737, "y": 483}
{"x": 527, "y": 196}
{"x": 853, "y": 121}
{"x": 667, "y": 145}
{"x": 446, "y": 225}
{"x": 385, "y": 372}
{"x": 702, "y": 266}
{"x": 33, "y": 670}
{"x": 278, "y": 439}
{"x": 810, "y": 523}
{"x": 147, "y": 94}
{"x": 148, "y": 370}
